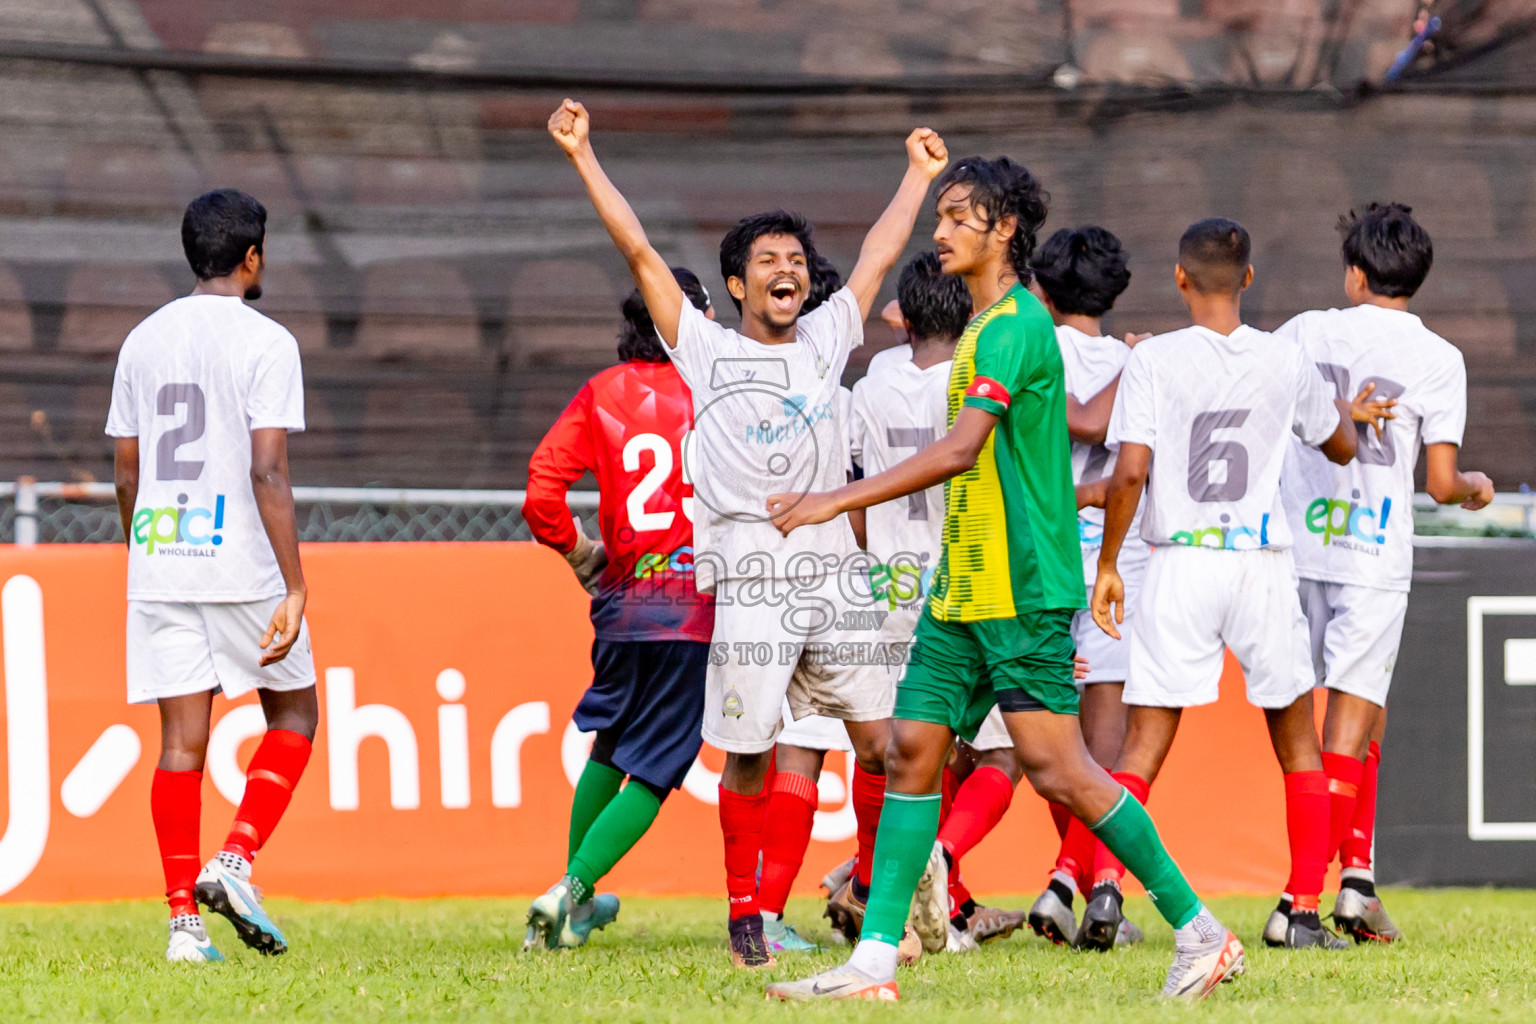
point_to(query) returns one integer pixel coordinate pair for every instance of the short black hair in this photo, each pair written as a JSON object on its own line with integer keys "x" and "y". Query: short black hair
{"x": 825, "y": 280}
{"x": 736, "y": 246}
{"x": 1389, "y": 246}
{"x": 1215, "y": 255}
{"x": 1082, "y": 270}
{"x": 638, "y": 341}
{"x": 218, "y": 229}
{"x": 1002, "y": 188}
{"x": 934, "y": 304}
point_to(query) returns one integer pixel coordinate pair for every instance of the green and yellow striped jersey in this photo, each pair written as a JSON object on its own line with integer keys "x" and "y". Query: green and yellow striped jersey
{"x": 1010, "y": 523}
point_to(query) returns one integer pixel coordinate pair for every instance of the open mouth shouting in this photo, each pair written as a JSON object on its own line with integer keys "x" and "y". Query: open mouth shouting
{"x": 784, "y": 295}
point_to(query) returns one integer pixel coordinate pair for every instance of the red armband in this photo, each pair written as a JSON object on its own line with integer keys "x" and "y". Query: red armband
{"x": 986, "y": 387}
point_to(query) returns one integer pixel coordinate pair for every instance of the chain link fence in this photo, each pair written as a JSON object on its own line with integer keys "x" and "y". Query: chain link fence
{"x": 51, "y": 513}
{"x": 54, "y": 513}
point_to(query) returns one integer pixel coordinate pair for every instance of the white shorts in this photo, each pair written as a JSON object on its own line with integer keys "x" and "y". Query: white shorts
{"x": 1198, "y": 601}
{"x": 176, "y": 649}
{"x": 809, "y": 645}
{"x": 814, "y": 732}
{"x": 1109, "y": 659}
{"x": 993, "y": 734}
{"x": 1353, "y": 633}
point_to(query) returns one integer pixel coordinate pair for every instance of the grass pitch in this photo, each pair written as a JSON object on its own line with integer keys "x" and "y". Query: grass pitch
{"x": 1470, "y": 955}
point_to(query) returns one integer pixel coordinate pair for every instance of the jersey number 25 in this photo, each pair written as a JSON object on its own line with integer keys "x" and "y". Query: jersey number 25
{"x": 662, "y": 462}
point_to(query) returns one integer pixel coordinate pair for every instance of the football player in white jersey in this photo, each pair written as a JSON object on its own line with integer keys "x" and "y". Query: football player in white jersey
{"x": 1080, "y": 273}
{"x": 1200, "y": 422}
{"x": 204, "y": 397}
{"x": 1353, "y": 525}
{"x": 766, "y": 420}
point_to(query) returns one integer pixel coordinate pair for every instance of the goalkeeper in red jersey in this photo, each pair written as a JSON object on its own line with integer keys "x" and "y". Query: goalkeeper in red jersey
{"x": 627, "y": 426}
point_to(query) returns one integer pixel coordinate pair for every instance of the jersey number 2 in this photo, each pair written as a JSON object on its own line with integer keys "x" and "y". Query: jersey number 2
{"x": 661, "y": 467}
{"x": 167, "y": 466}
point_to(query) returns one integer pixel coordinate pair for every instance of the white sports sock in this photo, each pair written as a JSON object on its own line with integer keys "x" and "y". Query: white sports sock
{"x": 1065, "y": 879}
{"x": 1360, "y": 874}
{"x": 1202, "y": 930}
{"x": 769, "y": 915}
{"x": 874, "y": 958}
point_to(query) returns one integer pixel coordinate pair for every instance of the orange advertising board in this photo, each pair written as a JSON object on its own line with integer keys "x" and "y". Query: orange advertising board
{"x": 445, "y": 758}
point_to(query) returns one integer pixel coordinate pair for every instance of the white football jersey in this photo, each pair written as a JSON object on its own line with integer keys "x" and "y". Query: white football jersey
{"x": 898, "y": 410}
{"x": 1090, "y": 364}
{"x": 193, "y": 380}
{"x": 765, "y": 422}
{"x": 1354, "y": 523}
{"x": 1217, "y": 410}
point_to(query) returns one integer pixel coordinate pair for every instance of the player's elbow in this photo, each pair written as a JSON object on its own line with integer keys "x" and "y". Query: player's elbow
{"x": 1442, "y": 490}
{"x": 960, "y": 457}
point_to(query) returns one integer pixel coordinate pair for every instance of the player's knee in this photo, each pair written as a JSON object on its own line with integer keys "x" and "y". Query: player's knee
{"x": 909, "y": 764}
{"x": 180, "y": 752}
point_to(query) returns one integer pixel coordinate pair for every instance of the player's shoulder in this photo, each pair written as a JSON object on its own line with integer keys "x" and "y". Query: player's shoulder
{"x": 887, "y": 361}
{"x": 839, "y": 312}
{"x": 1016, "y": 318}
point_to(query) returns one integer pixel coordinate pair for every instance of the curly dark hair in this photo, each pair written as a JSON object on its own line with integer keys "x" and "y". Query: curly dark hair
{"x": 1002, "y": 188}
{"x": 736, "y": 246}
{"x": 1082, "y": 270}
{"x": 638, "y": 341}
{"x": 1392, "y": 249}
{"x": 935, "y": 304}
{"x": 824, "y": 281}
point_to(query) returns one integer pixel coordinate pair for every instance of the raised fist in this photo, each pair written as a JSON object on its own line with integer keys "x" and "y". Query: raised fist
{"x": 569, "y": 124}
{"x": 926, "y": 152}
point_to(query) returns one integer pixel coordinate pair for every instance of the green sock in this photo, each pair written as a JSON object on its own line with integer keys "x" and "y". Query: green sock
{"x": 611, "y": 836}
{"x": 908, "y": 827}
{"x": 598, "y": 784}
{"x": 1130, "y": 835}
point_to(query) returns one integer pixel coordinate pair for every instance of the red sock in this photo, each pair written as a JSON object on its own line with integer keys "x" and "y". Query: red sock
{"x": 948, "y": 787}
{"x": 1061, "y": 818}
{"x": 176, "y": 804}
{"x": 868, "y": 798}
{"x": 786, "y": 833}
{"x": 1306, "y": 826}
{"x": 981, "y": 803}
{"x": 275, "y": 769}
{"x": 1106, "y": 866}
{"x": 1344, "y": 773}
{"x": 1076, "y": 855}
{"x": 1355, "y": 851}
{"x": 741, "y": 822}
{"x": 958, "y": 893}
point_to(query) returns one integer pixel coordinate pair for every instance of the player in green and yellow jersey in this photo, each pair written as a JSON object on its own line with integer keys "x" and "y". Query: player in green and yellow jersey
{"x": 998, "y": 626}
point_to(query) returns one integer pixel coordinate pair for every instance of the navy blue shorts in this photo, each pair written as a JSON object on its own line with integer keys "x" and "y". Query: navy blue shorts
{"x": 646, "y": 704}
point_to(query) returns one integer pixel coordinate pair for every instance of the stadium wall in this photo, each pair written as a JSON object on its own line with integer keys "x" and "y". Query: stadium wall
{"x": 445, "y": 758}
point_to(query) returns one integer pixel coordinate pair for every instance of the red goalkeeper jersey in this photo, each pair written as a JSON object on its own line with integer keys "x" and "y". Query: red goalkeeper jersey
{"x": 627, "y": 427}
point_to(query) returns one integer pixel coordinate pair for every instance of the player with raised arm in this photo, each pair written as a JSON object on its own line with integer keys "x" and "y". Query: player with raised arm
{"x": 1080, "y": 272}
{"x": 628, "y": 426}
{"x": 1208, "y": 446}
{"x": 1353, "y": 525}
{"x": 765, "y": 416}
{"x": 205, "y": 394}
{"x": 997, "y": 628}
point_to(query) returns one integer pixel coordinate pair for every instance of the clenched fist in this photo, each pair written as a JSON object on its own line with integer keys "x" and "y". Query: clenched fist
{"x": 926, "y": 151}
{"x": 570, "y": 125}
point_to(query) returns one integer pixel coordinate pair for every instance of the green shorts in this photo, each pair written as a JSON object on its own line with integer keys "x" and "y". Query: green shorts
{"x": 958, "y": 670}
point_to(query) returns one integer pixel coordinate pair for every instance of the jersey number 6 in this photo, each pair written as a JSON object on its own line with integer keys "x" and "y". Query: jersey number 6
{"x": 1205, "y": 452}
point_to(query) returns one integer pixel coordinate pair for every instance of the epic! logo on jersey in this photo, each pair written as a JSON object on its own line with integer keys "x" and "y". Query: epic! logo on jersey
{"x": 1338, "y": 520}
{"x": 1224, "y": 537}
{"x": 177, "y": 524}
